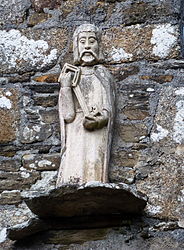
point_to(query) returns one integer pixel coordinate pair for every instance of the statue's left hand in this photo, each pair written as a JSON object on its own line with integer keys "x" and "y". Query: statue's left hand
{"x": 90, "y": 123}
{"x": 95, "y": 121}
{"x": 102, "y": 120}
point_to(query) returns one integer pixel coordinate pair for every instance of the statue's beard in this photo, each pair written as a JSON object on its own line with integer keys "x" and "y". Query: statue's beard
{"x": 88, "y": 57}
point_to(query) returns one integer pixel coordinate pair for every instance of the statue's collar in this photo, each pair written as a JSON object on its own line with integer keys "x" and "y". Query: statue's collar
{"x": 87, "y": 70}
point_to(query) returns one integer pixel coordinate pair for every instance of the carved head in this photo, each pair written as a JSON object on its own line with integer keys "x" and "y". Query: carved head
{"x": 86, "y": 45}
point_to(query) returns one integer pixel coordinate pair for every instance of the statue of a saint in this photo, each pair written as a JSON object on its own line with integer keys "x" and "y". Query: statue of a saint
{"x": 86, "y": 111}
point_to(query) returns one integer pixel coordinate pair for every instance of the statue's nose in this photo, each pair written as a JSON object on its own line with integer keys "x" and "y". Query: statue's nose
{"x": 87, "y": 46}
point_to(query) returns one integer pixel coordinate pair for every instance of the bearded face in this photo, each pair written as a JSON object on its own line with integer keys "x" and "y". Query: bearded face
{"x": 86, "y": 45}
{"x": 88, "y": 48}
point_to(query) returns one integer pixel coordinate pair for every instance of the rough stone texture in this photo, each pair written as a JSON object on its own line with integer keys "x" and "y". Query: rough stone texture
{"x": 143, "y": 52}
{"x": 10, "y": 165}
{"x": 20, "y": 78}
{"x": 12, "y": 215}
{"x": 46, "y": 183}
{"x": 50, "y": 116}
{"x": 37, "y": 18}
{"x": 44, "y": 87}
{"x": 50, "y": 78}
{"x": 28, "y": 50}
{"x": 68, "y": 6}
{"x": 17, "y": 180}
{"x": 158, "y": 78}
{"x": 125, "y": 158}
{"x": 123, "y": 174}
{"x": 132, "y": 237}
{"x": 95, "y": 239}
{"x": 41, "y": 162}
{"x": 36, "y": 133}
{"x": 140, "y": 12}
{"x": 132, "y": 133}
{"x": 167, "y": 149}
{"x": 94, "y": 200}
{"x": 13, "y": 12}
{"x": 150, "y": 42}
{"x": 137, "y": 12}
{"x": 39, "y": 5}
{"x": 35, "y": 225}
{"x": 9, "y": 113}
{"x": 45, "y": 100}
{"x": 10, "y": 197}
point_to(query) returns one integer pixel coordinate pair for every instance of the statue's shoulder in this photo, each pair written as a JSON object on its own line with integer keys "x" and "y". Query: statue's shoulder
{"x": 103, "y": 71}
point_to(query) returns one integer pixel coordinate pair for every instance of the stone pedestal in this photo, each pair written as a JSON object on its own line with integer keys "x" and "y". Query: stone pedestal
{"x": 90, "y": 205}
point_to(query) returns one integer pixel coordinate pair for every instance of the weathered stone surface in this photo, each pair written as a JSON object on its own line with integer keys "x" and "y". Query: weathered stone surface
{"x": 122, "y": 72}
{"x": 83, "y": 139}
{"x": 132, "y": 237}
{"x": 141, "y": 42}
{"x": 41, "y": 162}
{"x": 14, "y": 214}
{"x": 21, "y": 78}
{"x": 68, "y": 6}
{"x": 122, "y": 174}
{"x": 166, "y": 226}
{"x": 132, "y": 132}
{"x": 13, "y": 13}
{"x": 35, "y": 225}
{"x": 10, "y": 197}
{"x": 9, "y": 113}
{"x": 158, "y": 78}
{"x": 36, "y": 133}
{"x": 45, "y": 100}
{"x": 140, "y": 12}
{"x": 122, "y": 167}
{"x": 37, "y": 18}
{"x": 164, "y": 184}
{"x": 76, "y": 236}
{"x": 29, "y": 50}
{"x": 170, "y": 64}
{"x": 124, "y": 158}
{"x": 10, "y": 165}
{"x": 44, "y": 87}
{"x": 134, "y": 100}
{"x": 6, "y": 152}
{"x": 49, "y": 116}
{"x": 27, "y": 228}
{"x": 39, "y": 5}
{"x": 107, "y": 239}
{"x": 95, "y": 199}
{"x": 50, "y": 78}
{"x": 32, "y": 114}
{"x": 133, "y": 112}
{"x": 45, "y": 183}
{"x": 17, "y": 180}
{"x": 148, "y": 32}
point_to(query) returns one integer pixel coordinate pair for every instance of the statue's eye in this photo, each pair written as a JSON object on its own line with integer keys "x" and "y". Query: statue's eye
{"x": 92, "y": 40}
{"x": 82, "y": 41}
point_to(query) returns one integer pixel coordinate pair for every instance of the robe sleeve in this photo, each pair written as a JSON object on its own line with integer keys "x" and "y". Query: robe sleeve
{"x": 66, "y": 104}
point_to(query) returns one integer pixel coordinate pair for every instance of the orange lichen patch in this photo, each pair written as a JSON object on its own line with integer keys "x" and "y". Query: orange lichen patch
{"x": 47, "y": 78}
{"x": 158, "y": 78}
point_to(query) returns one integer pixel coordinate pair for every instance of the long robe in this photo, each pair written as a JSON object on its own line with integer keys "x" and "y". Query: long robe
{"x": 85, "y": 154}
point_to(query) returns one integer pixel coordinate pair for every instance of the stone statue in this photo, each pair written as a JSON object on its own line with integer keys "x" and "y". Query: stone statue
{"x": 86, "y": 110}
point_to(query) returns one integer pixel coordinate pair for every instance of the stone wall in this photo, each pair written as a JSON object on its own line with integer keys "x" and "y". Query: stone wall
{"x": 141, "y": 41}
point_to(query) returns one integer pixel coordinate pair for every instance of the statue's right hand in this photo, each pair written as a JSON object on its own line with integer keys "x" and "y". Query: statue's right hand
{"x": 66, "y": 80}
